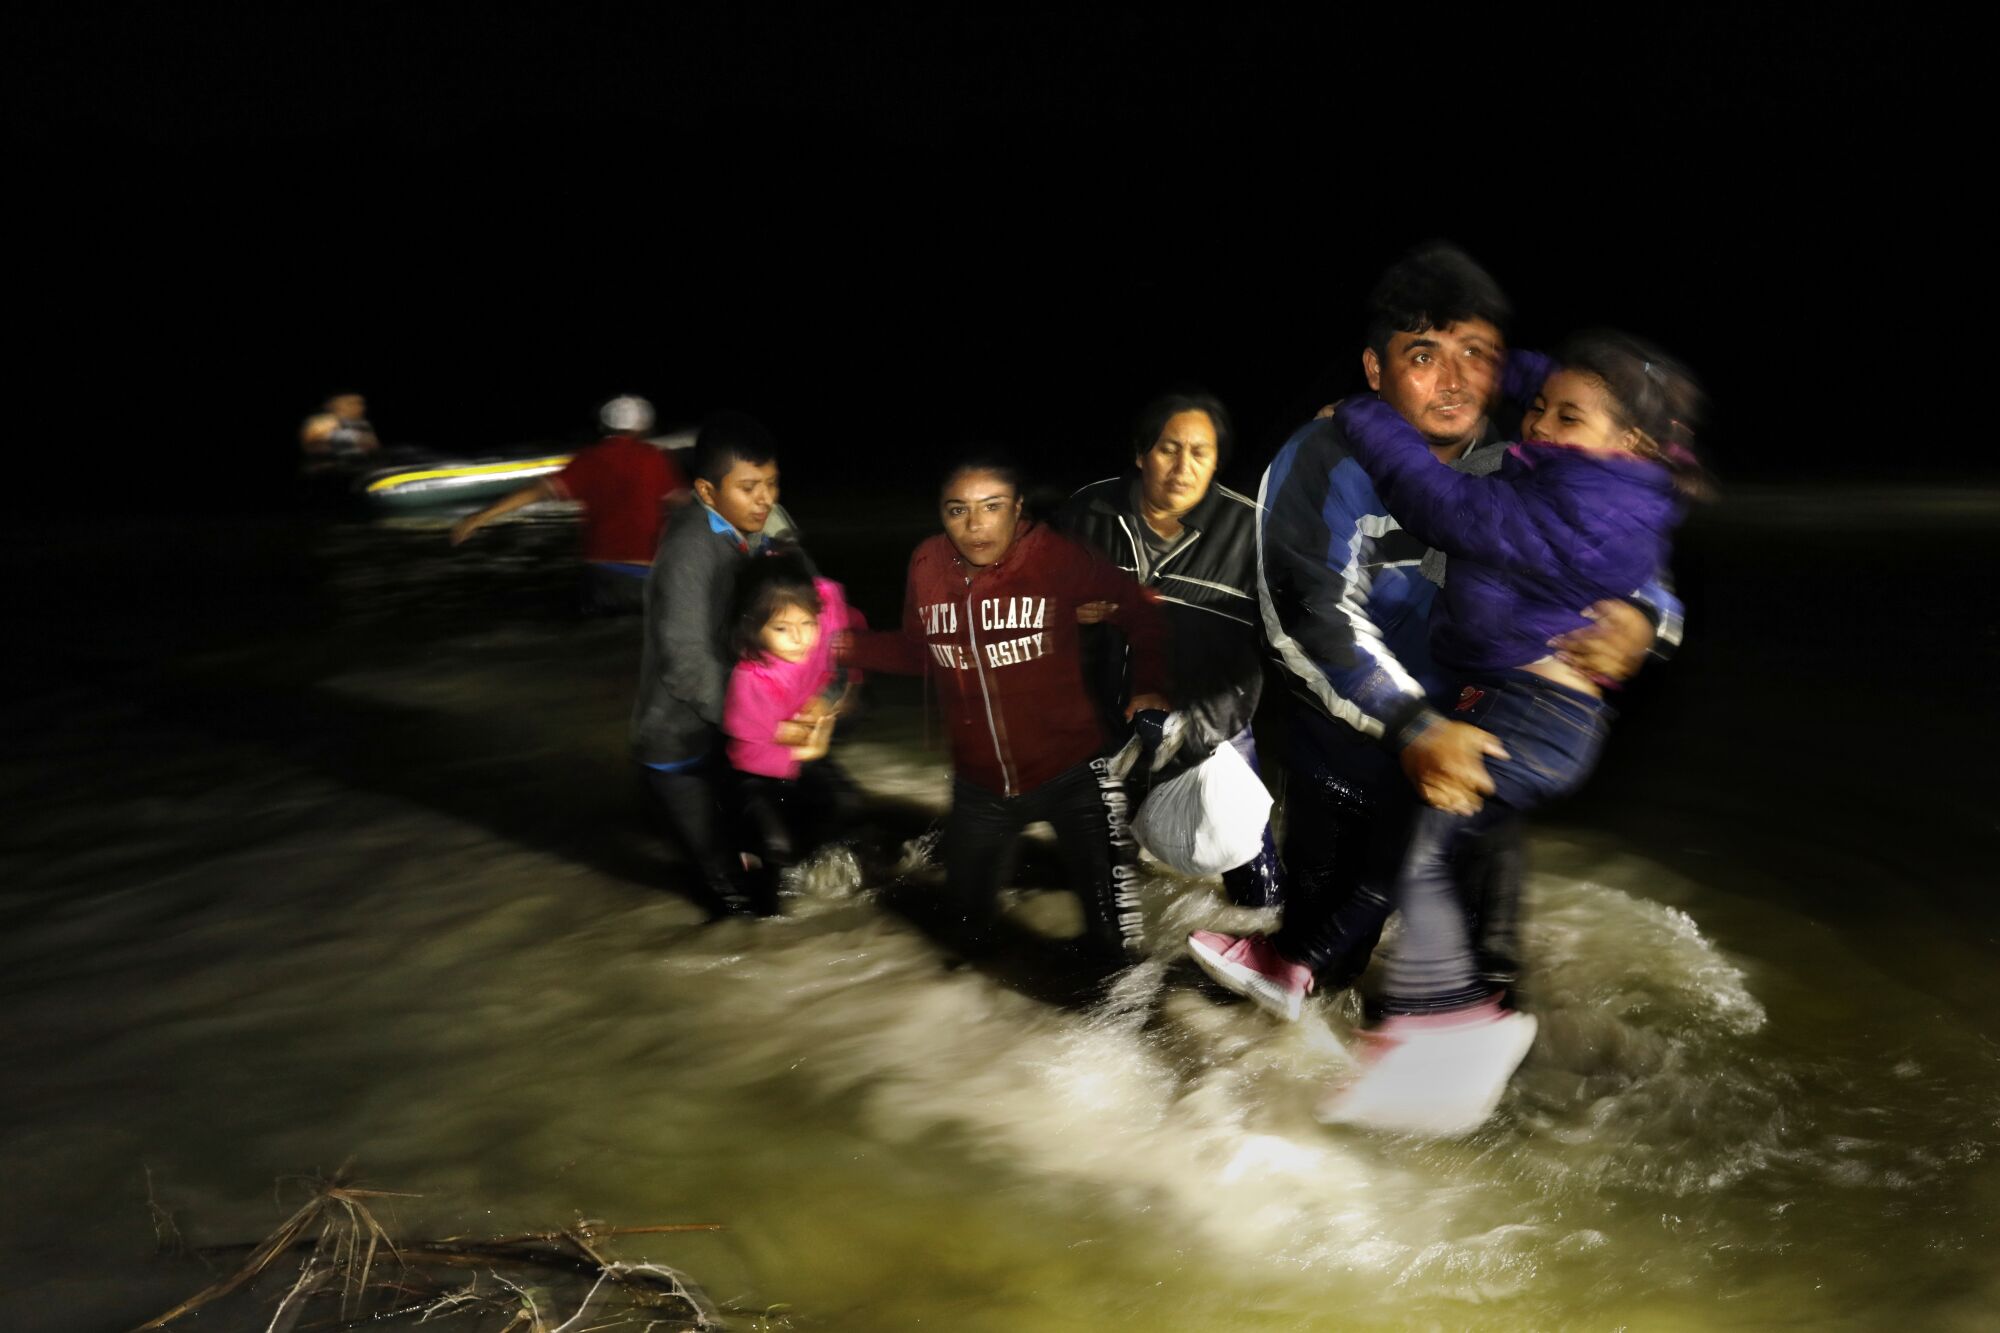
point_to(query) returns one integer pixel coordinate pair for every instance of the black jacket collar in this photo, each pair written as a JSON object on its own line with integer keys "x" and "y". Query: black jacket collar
{"x": 1123, "y": 501}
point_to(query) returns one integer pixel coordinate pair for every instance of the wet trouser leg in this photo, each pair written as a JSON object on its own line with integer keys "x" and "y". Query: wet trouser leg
{"x": 793, "y": 816}
{"x": 1086, "y": 808}
{"x": 1445, "y": 881}
{"x": 764, "y": 806}
{"x": 694, "y": 812}
{"x": 1338, "y": 796}
{"x": 1258, "y": 882}
{"x": 1092, "y": 817}
{"x": 1433, "y": 964}
{"x": 829, "y": 802}
{"x": 979, "y": 837}
{"x": 1336, "y": 929}
{"x": 786, "y": 819}
{"x": 768, "y": 834}
{"x": 1495, "y": 869}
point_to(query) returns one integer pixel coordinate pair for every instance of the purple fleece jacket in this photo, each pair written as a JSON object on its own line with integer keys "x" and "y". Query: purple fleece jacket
{"x": 1531, "y": 545}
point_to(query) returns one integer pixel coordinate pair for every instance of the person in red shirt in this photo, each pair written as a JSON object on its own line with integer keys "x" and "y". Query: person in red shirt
{"x": 990, "y": 613}
{"x": 625, "y": 486}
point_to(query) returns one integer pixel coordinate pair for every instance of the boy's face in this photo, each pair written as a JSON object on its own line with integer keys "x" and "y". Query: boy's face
{"x": 745, "y": 495}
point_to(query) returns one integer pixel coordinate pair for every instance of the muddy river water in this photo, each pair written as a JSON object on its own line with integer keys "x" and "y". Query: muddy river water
{"x": 322, "y": 845}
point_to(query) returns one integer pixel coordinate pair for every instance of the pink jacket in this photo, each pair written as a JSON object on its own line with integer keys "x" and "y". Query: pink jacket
{"x": 764, "y": 692}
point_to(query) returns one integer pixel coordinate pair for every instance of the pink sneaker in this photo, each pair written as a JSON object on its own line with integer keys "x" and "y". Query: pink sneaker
{"x": 1432, "y": 1074}
{"x": 1253, "y": 969}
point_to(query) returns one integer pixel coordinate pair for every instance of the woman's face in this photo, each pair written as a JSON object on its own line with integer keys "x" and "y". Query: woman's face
{"x": 981, "y": 511}
{"x": 1575, "y": 409}
{"x": 1175, "y": 473}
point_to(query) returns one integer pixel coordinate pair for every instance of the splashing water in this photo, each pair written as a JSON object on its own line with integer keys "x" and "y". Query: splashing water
{"x": 249, "y": 960}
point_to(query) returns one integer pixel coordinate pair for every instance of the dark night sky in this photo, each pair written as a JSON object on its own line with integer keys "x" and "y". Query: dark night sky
{"x": 891, "y": 233}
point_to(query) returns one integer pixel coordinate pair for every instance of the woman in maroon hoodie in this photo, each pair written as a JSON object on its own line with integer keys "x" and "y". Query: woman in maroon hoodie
{"x": 990, "y": 614}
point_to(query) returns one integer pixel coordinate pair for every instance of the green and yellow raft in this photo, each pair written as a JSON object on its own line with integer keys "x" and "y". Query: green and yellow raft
{"x": 438, "y": 482}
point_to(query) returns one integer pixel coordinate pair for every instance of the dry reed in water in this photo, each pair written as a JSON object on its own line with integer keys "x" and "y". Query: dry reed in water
{"x": 354, "y": 1273}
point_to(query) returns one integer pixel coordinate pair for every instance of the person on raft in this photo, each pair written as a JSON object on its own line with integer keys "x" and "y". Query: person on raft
{"x": 339, "y": 433}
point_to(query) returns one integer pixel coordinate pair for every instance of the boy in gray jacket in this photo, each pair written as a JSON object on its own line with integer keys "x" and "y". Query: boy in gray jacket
{"x": 684, "y": 670}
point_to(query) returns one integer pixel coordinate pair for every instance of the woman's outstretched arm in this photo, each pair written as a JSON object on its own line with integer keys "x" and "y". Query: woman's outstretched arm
{"x": 900, "y": 652}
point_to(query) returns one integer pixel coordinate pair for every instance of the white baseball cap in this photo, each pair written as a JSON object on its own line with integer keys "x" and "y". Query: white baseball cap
{"x": 627, "y": 415}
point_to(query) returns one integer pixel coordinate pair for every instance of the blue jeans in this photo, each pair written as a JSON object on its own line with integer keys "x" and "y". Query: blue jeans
{"x": 1553, "y": 737}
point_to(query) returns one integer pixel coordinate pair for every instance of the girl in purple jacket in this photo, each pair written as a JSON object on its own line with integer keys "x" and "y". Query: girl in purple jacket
{"x": 1579, "y": 512}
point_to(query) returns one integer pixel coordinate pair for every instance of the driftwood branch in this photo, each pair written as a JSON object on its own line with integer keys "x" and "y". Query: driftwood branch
{"x": 343, "y": 1241}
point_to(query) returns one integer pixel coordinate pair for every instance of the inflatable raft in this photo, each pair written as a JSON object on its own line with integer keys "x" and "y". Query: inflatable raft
{"x": 435, "y": 482}
{"x": 408, "y": 478}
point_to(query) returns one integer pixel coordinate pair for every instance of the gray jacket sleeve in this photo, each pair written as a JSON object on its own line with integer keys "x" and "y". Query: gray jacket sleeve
{"x": 687, "y": 627}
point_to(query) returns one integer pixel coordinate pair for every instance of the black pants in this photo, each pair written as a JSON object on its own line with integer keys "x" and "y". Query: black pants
{"x": 1087, "y": 808}
{"x": 785, "y": 819}
{"x": 610, "y": 592}
{"x": 693, "y": 803}
{"x": 1260, "y": 881}
{"x": 1348, "y": 807}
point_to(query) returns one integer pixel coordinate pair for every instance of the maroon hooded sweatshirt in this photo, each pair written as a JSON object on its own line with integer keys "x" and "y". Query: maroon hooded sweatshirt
{"x": 1002, "y": 642}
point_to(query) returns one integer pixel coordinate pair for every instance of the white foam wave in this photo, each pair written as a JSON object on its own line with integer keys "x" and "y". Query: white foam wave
{"x": 1167, "y": 1100}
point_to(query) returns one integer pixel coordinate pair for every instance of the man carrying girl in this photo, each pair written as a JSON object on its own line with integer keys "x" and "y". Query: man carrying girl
{"x": 1580, "y": 510}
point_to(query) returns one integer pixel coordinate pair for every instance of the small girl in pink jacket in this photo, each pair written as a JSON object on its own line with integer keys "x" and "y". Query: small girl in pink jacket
{"x": 778, "y": 716}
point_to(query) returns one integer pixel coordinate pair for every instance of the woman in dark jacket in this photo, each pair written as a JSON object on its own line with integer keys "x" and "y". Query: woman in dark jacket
{"x": 1170, "y": 526}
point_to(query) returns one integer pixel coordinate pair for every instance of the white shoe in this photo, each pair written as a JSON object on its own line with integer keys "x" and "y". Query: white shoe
{"x": 1436, "y": 1075}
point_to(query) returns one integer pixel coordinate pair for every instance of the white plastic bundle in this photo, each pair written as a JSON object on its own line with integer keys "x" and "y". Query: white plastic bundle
{"x": 1209, "y": 819}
